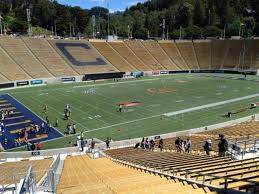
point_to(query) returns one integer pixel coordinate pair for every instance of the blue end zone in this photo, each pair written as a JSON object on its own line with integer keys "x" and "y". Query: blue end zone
{"x": 22, "y": 118}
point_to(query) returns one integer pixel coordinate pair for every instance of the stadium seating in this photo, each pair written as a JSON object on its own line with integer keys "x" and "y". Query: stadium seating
{"x": 251, "y": 60}
{"x": 127, "y": 54}
{"x": 83, "y": 175}
{"x": 113, "y": 56}
{"x": 202, "y": 49}
{"x": 216, "y": 171}
{"x": 140, "y": 51}
{"x": 81, "y": 56}
{"x": 188, "y": 53}
{"x": 172, "y": 51}
{"x": 218, "y": 52}
{"x": 23, "y": 56}
{"x": 157, "y": 52}
{"x": 12, "y": 172}
{"x": 9, "y": 68}
{"x": 234, "y": 54}
{"x": 49, "y": 57}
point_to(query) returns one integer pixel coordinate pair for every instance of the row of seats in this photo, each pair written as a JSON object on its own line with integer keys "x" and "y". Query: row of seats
{"x": 82, "y": 175}
{"x": 30, "y": 58}
{"x": 12, "y": 172}
{"x": 217, "y": 171}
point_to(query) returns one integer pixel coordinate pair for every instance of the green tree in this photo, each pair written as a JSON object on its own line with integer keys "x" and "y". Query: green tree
{"x": 198, "y": 15}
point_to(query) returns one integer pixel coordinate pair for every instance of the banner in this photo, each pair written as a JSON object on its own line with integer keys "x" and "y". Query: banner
{"x": 156, "y": 73}
{"x": 22, "y": 83}
{"x": 99, "y": 76}
{"x": 36, "y": 82}
{"x": 7, "y": 85}
{"x": 137, "y": 74}
{"x": 68, "y": 79}
{"x": 164, "y": 72}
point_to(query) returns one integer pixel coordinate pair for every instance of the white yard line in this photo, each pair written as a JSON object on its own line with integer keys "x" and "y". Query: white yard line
{"x": 210, "y": 105}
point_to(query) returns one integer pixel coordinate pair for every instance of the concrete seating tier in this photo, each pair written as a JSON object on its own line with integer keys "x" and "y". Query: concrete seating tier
{"x": 158, "y": 53}
{"x": 81, "y": 56}
{"x": 218, "y": 52}
{"x": 143, "y": 54}
{"x": 187, "y": 51}
{"x": 172, "y": 51}
{"x": 12, "y": 172}
{"x": 234, "y": 54}
{"x": 113, "y": 57}
{"x": 202, "y": 50}
{"x": 23, "y": 57}
{"x": 127, "y": 54}
{"x": 216, "y": 171}
{"x": 82, "y": 175}
{"x": 9, "y": 68}
{"x": 45, "y": 53}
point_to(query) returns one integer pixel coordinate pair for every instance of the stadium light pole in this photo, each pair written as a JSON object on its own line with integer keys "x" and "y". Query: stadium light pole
{"x": 180, "y": 33}
{"x": 128, "y": 32}
{"x": 108, "y": 33}
{"x": 55, "y": 27}
{"x": 163, "y": 29}
{"x": 1, "y": 27}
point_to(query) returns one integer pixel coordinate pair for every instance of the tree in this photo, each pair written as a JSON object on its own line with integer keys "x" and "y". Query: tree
{"x": 222, "y": 8}
{"x": 198, "y": 13}
{"x": 183, "y": 16}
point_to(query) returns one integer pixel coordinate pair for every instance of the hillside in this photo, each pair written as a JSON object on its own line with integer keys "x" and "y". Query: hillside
{"x": 196, "y": 18}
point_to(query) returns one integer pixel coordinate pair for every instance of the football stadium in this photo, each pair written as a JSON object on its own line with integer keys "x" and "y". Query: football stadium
{"x": 94, "y": 108}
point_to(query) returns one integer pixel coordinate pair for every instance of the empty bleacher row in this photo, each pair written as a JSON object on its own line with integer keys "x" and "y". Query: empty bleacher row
{"x": 82, "y": 175}
{"x": 217, "y": 172}
{"x": 12, "y": 172}
{"x": 33, "y": 58}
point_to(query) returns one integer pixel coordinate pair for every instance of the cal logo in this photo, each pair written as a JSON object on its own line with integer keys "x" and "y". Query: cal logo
{"x": 63, "y": 47}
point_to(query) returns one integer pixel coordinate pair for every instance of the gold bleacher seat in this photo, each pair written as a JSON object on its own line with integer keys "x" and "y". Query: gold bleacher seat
{"x": 172, "y": 51}
{"x": 127, "y": 54}
{"x": 142, "y": 53}
{"x": 202, "y": 50}
{"x": 113, "y": 56}
{"x": 84, "y": 175}
{"x": 157, "y": 52}
{"x": 187, "y": 51}
{"x": 12, "y": 172}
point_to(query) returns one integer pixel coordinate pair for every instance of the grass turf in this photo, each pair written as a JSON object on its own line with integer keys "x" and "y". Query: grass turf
{"x": 97, "y": 114}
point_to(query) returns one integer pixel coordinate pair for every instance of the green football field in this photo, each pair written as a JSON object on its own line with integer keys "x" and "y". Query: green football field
{"x": 95, "y": 110}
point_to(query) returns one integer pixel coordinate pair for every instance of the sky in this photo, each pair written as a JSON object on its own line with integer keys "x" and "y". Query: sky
{"x": 114, "y": 5}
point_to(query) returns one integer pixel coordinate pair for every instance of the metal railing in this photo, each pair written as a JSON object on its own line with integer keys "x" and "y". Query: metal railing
{"x": 37, "y": 153}
{"x": 51, "y": 180}
{"x": 28, "y": 185}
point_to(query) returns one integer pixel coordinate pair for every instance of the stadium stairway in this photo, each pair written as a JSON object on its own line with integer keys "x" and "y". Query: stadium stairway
{"x": 22, "y": 118}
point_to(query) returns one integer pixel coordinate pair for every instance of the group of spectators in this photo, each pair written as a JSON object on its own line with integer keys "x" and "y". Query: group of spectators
{"x": 222, "y": 146}
{"x": 146, "y": 144}
{"x": 183, "y": 146}
{"x": 35, "y": 148}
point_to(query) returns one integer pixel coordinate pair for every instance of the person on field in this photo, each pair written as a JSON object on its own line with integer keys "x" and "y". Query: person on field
{"x": 120, "y": 108}
{"x": 56, "y": 122}
{"x": 45, "y": 109}
{"x": 222, "y": 146}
